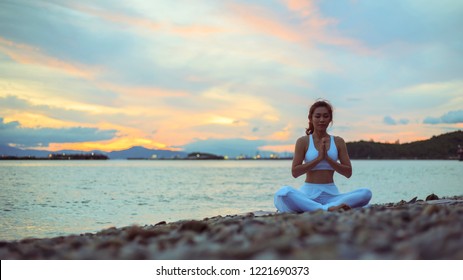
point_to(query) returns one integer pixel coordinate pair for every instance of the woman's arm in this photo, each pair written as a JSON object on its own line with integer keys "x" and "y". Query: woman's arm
{"x": 299, "y": 168}
{"x": 343, "y": 167}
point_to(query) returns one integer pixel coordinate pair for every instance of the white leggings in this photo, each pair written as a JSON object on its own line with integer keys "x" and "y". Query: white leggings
{"x": 311, "y": 197}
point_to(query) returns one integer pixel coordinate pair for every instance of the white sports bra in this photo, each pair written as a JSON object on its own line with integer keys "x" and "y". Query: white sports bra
{"x": 312, "y": 153}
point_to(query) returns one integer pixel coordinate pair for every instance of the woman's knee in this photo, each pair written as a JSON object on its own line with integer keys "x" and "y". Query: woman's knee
{"x": 365, "y": 193}
{"x": 283, "y": 191}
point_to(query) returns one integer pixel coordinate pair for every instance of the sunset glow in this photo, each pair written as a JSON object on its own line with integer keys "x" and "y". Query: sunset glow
{"x": 101, "y": 75}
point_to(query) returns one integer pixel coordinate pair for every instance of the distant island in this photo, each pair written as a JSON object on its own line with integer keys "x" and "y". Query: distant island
{"x": 199, "y": 155}
{"x": 444, "y": 146}
{"x": 63, "y": 156}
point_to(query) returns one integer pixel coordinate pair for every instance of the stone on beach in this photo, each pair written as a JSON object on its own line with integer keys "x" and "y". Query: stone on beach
{"x": 416, "y": 229}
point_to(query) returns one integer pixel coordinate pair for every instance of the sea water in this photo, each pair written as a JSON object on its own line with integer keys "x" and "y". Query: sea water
{"x": 53, "y": 198}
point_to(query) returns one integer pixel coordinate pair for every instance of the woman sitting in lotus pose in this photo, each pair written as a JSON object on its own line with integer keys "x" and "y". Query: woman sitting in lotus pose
{"x": 316, "y": 155}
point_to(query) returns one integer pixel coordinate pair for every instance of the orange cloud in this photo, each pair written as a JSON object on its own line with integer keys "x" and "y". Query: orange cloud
{"x": 146, "y": 23}
{"x": 311, "y": 29}
{"x": 109, "y": 146}
{"x": 281, "y": 135}
{"x": 303, "y": 7}
{"x": 127, "y": 137}
{"x": 26, "y": 54}
{"x": 241, "y": 104}
{"x": 317, "y": 25}
{"x": 143, "y": 92}
{"x": 263, "y": 21}
{"x": 194, "y": 30}
{"x": 278, "y": 148}
{"x": 116, "y": 17}
{"x": 30, "y": 120}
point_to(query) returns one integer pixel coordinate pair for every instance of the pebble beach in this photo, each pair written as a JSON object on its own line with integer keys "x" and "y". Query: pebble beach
{"x": 415, "y": 229}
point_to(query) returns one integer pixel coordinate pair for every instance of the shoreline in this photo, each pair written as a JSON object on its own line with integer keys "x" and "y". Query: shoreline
{"x": 12, "y": 158}
{"x": 404, "y": 230}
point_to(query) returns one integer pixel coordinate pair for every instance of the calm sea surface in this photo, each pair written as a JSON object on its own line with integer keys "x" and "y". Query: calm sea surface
{"x": 51, "y": 198}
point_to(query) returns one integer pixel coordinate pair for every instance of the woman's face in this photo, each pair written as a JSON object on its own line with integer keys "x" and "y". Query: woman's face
{"x": 321, "y": 118}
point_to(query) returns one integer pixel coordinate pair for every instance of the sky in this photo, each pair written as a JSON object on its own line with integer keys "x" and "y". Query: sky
{"x": 193, "y": 75}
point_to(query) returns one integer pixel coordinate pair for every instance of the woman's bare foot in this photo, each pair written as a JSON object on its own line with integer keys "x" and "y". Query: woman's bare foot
{"x": 343, "y": 206}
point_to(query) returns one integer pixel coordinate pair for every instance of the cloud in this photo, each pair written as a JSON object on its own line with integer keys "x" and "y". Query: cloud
{"x": 13, "y": 133}
{"x": 450, "y": 117}
{"x": 223, "y": 69}
{"x": 89, "y": 113}
{"x": 302, "y": 23}
{"x": 390, "y": 121}
{"x": 25, "y": 54}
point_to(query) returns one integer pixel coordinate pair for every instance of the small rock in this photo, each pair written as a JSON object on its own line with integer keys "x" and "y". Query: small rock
{"x": 432, "y": 197}
{"x": 196, "y": 226}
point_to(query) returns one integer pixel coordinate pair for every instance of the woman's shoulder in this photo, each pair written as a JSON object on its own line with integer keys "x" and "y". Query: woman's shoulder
{"x": 302, "y": 139}
{"x": 339, "y": 140}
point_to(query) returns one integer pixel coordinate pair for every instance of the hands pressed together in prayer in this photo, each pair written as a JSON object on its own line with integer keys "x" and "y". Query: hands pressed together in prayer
{"x": 324, "y": 148}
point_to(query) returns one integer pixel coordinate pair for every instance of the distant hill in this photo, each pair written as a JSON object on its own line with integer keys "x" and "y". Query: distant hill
{"x": 12, "y": 151}
{"x": 144, "y": 153}
{"x": 134, "y": 152}
{"x": 443, "y": 146}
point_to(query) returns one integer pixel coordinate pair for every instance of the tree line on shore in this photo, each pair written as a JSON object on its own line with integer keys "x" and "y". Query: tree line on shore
{"x": 444, "y": 146}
